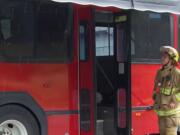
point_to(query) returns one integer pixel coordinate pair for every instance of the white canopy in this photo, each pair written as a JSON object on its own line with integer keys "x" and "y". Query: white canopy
{"x": 172, "y": 6}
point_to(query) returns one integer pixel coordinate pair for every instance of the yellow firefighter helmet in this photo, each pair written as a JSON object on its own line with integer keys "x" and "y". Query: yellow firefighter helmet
{"x": 173, "y": 53}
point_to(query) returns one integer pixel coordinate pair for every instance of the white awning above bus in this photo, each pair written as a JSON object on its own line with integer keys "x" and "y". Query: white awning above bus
{"x": 172, "y": 6}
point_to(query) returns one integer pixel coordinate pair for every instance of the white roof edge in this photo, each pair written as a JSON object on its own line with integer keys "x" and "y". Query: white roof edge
{"x": 172, "y": 6}
{"x": 158, "y": 7}
{"x": 123, "y": 4}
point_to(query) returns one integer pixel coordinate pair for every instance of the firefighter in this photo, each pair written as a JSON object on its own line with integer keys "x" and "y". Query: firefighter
{"x": 166, "y": 92}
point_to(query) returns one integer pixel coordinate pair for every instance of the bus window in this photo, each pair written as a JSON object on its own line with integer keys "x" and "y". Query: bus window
{"x": 83, "y": 42}
{"x": 5, "y": 29}
{"x": 104, "y": 41}
{"x": 149, "y": 32}
{"x": 53, "y": 32}
{"x": 37, "y": 32}
{"x": 17, "y": 30}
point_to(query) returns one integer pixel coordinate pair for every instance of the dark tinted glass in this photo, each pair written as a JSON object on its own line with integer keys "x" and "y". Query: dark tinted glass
{"x": 33, "y": 31}
{"x": 83, "y": 43}
{"x": 149, "y": 32}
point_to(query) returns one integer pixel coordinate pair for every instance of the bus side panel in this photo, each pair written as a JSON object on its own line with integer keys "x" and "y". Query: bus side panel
{"x": 63, "y": 125}
{"x": 46, "y": 83}
{"x": 143, "y": 121}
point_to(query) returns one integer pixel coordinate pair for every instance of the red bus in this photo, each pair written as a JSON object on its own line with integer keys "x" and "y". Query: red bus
{"x": 72, "y": 69}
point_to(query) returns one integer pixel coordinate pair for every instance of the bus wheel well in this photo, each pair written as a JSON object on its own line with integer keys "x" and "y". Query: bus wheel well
{"x": 26, "y": 101}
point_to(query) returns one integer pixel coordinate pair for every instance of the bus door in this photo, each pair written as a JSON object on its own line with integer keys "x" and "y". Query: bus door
{"x": 123, "y": 59}
{"x": 105, "y": 69}
{"x": 112, "y": 66}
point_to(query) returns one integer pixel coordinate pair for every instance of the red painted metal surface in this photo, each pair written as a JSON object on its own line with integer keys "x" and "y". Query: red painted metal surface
{"x": 86, "y": 71}
{"x": 142, "y": 87}
{"x": 143, "y": 122}
{"x": 63, "y": 125}
{"x": 175, "y": 24}
{"x": 45, "y": 82}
